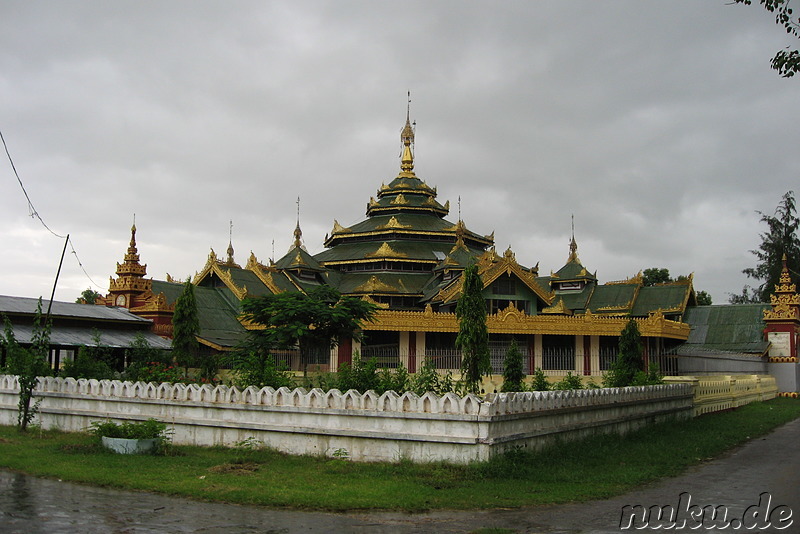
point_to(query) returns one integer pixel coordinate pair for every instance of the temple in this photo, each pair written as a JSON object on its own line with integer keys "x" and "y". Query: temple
{"x": 408, "y": 258}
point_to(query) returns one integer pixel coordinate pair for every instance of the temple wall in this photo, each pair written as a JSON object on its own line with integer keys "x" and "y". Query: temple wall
{"x": 370, "y": 427}
{"x": 721, "y": 363}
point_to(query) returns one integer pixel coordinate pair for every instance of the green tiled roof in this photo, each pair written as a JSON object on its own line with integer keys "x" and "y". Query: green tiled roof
{"x": 613, "y": 298}
{"x": 386, "y": 282}
{"x": 298, "y": 258}
{"x": 573, "y": 270}
{"x": 667, "y": 297}
{"x": 405, "y": 249}
{"x": 728, "y": 328}
{"x": 215, "y": 311}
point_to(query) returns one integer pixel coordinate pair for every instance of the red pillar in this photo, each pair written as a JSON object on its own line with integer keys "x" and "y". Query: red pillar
{"x": 345, "y": 352}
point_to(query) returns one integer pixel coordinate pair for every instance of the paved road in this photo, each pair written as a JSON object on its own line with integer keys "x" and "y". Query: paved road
{"x": 770, "y": 464}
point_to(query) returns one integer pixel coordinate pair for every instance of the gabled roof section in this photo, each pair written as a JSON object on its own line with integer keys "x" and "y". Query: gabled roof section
{"x": 670, "y": 298}
{"x": 298, "y": 258}
{"x": 490, "y": 268}
{"x": 573, "y": 270}
{"x": 613, "y": 298}
{"x": 216, "y": 267}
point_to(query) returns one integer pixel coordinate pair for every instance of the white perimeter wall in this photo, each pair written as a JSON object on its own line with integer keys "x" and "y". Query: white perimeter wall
{"x": 370, "y": 427}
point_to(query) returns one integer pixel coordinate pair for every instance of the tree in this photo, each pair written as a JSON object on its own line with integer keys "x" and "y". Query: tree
{"x": 629, "y": 360}
{"x": 88, "y": 296}
{"x": 185, "y": 327}
{"x": 780, "y": 239}
{"x": 513, "y": 371}
{"x": 654, "y": 275}
{"x": 473, "y": 335}
{"x": 313, "y": 321}
{"x": 703, "y": 298}
{"x": 786, "y": 62}
{"x": 28, "y": 364}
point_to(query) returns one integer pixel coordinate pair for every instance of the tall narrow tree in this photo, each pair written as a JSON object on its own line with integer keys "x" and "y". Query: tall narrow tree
{"x": 780, "y": 239}
{"x": 185, "y": 327}
{"x": 473, "y": 335}
{"x": 513, "y": 369}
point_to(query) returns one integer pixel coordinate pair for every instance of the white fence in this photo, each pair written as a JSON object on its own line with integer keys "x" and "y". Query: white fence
{"x": 369, "y": 426}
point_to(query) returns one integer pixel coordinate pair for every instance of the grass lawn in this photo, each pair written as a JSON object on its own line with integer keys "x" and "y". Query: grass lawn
{"x": 598, "y": 467}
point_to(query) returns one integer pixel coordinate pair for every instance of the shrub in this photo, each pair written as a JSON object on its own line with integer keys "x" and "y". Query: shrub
{"x": 539, "y": 382}
{"x": 569, "y": 382}
{"x": 150, "y": 429}
{"x": 513, "y": 372}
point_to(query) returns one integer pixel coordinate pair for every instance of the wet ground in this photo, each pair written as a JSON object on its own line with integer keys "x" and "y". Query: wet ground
{"x": 770, "y": 464}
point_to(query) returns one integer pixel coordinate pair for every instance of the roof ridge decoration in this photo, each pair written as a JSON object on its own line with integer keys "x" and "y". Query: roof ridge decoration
{"x": 638, "y": 278}
{"x": 213, "y": 265}
{"x": 559, "y": 308}
{"x": 339, "y": 229}
{"x": 375, "y": 285}
{"x": 393, "y": 223}
{"x": 399, "y": 200}
{"x": 785, "y": 301}
{"x": 385, "y": 251}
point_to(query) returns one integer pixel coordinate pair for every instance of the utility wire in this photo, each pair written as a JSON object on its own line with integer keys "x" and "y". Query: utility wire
{"x": 35, "y": 214}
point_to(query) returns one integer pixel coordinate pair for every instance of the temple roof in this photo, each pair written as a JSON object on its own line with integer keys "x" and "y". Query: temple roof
{"x": 726, "y": 328}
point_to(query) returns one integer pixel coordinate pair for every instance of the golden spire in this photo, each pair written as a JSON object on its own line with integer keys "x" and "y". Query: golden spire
{"x": 133, "y": 253}
{"x": 407, "y": 138}
{"x": 573, "y": 245}
{"x": 298, "y": 234}
{"x": 230, "y": 246}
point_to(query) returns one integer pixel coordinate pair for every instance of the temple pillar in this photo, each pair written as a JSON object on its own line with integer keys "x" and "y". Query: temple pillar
{"x": 595, "y": 354}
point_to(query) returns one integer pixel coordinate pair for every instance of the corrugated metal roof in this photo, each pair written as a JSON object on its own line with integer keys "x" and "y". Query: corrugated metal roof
{"x": 75, "y": 336}
{"x": 27, "y": 306}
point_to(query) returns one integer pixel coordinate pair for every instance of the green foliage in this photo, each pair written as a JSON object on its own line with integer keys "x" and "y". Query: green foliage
{"x": 86, "y": 365}
{"x": 427, "y": 378}
{"x": 361, "y": 375}
{"x": 473, "y": 335}
{"x": 569, "y": 382}
{"x": 397, "y": 380}
{"x": 654, "y": 275}
{"x": 539, "y": 382}
{"x": 88, "y": 296}
{"x": 786, "y": 62}
{"x": 629, "y": 359}
{"x": 92, "y": 361}
{"x": 150, "y": 429}
{"x": 513, "y": 370}
{"x": 703, "y": 298}
{"x": 145, "y": 362}
{"x": 250, "y": 368}
{"x": 313, "y": 321}
{"x": 27, "y": 364}
{"x": 651, "y": 377}
{"x": 185, "y": 327}
{"x": 780, "y": 239}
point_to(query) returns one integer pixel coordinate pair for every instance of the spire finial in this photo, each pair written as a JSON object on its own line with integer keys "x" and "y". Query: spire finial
{"x": 230, "y": 244}
{"x": 298, "y": 234}
{"x": 459, "y": 208}
{"x": 407, "y": 138}
{"x": 573, "y": 245}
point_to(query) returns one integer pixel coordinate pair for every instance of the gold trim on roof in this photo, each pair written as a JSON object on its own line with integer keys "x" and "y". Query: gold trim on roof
{"x": 339, "y": 229}
{"x": 514, "y": 323}
{"x": 635, "y": 279}
{"x": 558, "y": 308}
{"x": 399, "y": 200}
{"x": 385, "y": 251}
{"x": 374, "y": 284}
{"x": 393, "y": 223}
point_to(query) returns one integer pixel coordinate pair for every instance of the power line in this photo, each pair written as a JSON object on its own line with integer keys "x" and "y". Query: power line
{"x": 35, "y": 214}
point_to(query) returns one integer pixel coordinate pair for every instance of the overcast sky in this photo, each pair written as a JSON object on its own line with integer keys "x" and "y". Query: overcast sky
{"x": 659, "y": 125}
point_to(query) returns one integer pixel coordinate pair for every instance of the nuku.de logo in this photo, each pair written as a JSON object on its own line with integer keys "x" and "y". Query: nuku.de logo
{"x": 695, "y": 517}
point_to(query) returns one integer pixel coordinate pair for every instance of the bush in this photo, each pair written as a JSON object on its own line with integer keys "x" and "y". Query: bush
{"x": 252, "y": 368}
{"x": 513, "y": 372}
{"x": 150, "y": 429}
{"x": 87, "y": 365}
{"x": 539, "y": 382}
{"x": 569, "y": 382}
